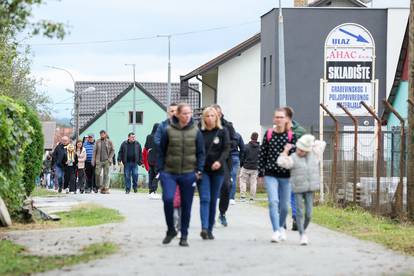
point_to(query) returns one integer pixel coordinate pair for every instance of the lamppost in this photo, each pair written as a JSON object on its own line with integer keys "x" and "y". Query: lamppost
{"x": 281, "y": 44}
{"x": 134, "y": 112}
{"x": 169, "y": 69}
{"x": 76, "y": 95}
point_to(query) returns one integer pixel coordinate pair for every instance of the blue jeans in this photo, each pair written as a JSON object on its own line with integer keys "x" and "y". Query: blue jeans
{"x": 186, "y": 182}
{"x": 234, "y": 170}
{"x": 299, "y": 198}
{"x": 131, "y": 169}
{"x": 59, "y": 176}
{"x": 293, "y": 204}
{"x": 278, "y": 193}
{"x": 209, "y": 191}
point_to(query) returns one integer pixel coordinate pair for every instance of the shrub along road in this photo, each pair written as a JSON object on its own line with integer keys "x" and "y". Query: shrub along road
{"x": 243, "y": 248}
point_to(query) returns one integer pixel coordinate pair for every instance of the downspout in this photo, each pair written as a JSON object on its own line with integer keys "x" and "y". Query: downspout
{"x": 209, "y": 86}
{"x": 199, "y": 95}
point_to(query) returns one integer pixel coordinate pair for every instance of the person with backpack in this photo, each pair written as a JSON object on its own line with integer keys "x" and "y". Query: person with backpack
{"x": 150, "y": 156}
{"x": 305, "y": 177}
{"x": 276, "y": 178}
{"x": 249, "y": 163}
{"x": 227, "y": 182}
{"x": 217, "y": 148}
{"x": 298, "y": 130}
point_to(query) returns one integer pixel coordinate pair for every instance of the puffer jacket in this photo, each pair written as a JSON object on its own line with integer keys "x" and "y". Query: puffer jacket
{"x": 304, "y": 171}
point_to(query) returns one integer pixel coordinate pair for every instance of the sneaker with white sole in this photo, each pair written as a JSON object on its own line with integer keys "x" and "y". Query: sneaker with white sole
{"x": 232, "y": 202}
{"x": 156, "y": 196}
{"x": 275, "y": 236}
{"x": 304, "y": 240}
{"x": 282, "y": 234}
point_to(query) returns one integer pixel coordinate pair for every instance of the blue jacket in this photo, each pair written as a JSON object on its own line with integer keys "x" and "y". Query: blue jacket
{"x": 239, "y": 146}
{"x": 163, "y": 145}
{"x": 161, "y": 128}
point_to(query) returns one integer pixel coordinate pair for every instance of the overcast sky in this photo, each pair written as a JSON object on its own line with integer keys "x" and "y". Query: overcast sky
{"x": 97, "y": 20}
{"x": 93, "y": 20}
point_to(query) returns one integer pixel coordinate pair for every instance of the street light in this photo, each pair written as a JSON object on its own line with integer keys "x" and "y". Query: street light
{"x": 169, "y": 69}
{"x": 133, "y": 98}
{"x": 281, "y": 44}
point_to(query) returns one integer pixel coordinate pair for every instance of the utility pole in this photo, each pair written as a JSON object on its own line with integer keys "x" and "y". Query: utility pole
{"x": 410, "y": 140}
{"x": 281, "y": 44}
{"x": 169, "y": 69}
{"x": 134, "y": 109}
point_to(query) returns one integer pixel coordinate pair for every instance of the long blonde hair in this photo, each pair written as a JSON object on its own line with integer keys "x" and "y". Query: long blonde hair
{"x": 205, "y": 112}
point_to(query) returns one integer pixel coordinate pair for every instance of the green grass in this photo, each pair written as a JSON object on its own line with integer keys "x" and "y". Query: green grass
{"x": 89, "y": 215}
{"x": 38, "y": 191}
{"x": 363, "y": 225}
{"x": 14, "y": 259}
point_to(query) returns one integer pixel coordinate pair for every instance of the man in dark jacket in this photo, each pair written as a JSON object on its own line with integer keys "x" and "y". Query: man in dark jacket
{"x": 227, "y": 183}
{"x": 249, "y": 163}
{"x": 130, "y": 155}
{"x": 150, "y": 157}
{"x": 58, "y": 157}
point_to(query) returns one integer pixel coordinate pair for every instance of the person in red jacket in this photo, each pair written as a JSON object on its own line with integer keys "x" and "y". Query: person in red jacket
{"x": 150, "y": 156}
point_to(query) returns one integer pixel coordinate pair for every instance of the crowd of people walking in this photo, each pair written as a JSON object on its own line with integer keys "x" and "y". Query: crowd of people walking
{"x": 209, "y": 155}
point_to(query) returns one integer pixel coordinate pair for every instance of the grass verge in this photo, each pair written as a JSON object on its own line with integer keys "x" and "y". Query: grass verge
{"x": 14, "y": 259}
{"x": 363, "y": 225}
{"x": 38, "y": 191}
{"x": 81, "y": 215}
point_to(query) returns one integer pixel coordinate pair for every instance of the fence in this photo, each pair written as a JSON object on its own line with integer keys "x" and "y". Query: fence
{"x": 367, "y": 167}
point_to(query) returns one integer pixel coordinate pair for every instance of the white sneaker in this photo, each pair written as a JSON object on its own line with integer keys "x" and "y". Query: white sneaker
{"x": 303, "y": 240}
{"x": 156, "y": 196}
{"x": 150, "y": 195}
{"x": 275, "y": 236}
{"x": 282, "y": 234}
{"x": 232, "y": 202}
{"x": 67, "y": 190}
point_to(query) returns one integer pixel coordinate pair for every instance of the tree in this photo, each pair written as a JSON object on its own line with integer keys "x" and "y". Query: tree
{"x": 15, "y": 17}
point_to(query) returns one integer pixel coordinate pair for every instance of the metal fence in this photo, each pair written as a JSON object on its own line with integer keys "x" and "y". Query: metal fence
{"x": 339, "y": 178}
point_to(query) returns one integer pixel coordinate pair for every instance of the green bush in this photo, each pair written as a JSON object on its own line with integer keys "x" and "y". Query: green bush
{"x": 33, "y": 154}
{"x": 15, "y": 132}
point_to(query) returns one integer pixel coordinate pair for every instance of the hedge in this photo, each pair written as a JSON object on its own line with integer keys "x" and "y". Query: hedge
{"x": 33, "y": 154}
{"x": 15, "y": 133}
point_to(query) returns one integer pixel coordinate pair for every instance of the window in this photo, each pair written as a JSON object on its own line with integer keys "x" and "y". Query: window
{"x": 270, "y": 69}
{"x": 264, "y": 72}
{"x": 139, "y": 117}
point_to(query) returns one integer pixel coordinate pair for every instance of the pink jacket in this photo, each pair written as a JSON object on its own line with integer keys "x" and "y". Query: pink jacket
{"x": 177, "y": 198}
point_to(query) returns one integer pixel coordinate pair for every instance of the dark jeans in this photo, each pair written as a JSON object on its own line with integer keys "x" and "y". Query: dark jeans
{"x": 234, "y": 171}
{"x": 169, "y": 183}
{"x": 225, "y": 191}
{"x": 81, "y": 179}
{"x": 70, "y": 178}
{"x": 152, "y": 182}
{"x": 209, "y": 190}
{"x": 90, "y": 175}
{"x": 131, "y": 170}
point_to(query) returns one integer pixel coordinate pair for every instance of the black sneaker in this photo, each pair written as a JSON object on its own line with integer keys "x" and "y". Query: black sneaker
{"x": 204, "y": 234}
{"x": 95, "y": 190}
{"x": 60, "y": 190}
{"x": 135, "y": 190}
{"x": 183, "y": 242}
{"x": 127, "y": 191}
{"x": 294, "y": 226}
{"x": 223, "y": 220}
{"x": 169, "y": 237}
{"x": 210, "y": 236}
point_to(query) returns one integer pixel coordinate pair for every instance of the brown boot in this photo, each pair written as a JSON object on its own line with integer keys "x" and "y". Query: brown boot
{"x": 104, "y": 191}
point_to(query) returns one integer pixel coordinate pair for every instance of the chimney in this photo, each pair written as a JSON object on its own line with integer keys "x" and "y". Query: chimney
{"x": 301, "y": 3}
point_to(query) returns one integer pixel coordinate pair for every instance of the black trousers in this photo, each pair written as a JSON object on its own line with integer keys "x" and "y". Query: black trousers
{"x": 225, "y": 189}
{"x": 152, "y": 182}
{"x": 90, "y": 176}
{"x": 81, "y": 179}
{"x": 70, "y": 178}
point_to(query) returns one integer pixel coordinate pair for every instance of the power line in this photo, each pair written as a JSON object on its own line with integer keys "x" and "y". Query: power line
{"x": 143, "y": 37}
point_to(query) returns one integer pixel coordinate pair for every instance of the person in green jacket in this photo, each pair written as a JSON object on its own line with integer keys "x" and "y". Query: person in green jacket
{"x": 299, "y": 131}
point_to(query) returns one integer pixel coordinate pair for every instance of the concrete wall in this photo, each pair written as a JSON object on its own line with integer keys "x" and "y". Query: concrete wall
{"x": 208, "y": 94}
{"x": 238, "y": 91}
{"x": 304, "y": 56}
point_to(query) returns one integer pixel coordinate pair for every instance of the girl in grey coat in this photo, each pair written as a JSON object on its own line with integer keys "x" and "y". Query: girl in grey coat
{"x": 304, "y": 176}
